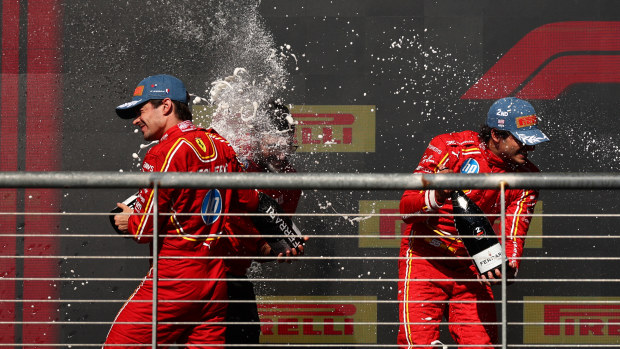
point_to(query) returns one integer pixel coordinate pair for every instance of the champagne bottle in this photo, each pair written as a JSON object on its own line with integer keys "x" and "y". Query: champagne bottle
{"x": 482, "y": 243}
{"x": 130, "y": 201}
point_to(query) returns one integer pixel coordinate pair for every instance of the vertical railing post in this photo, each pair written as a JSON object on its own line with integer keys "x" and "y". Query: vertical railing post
{"x": 504, "y": 266}
{"x": 155, "y": 253}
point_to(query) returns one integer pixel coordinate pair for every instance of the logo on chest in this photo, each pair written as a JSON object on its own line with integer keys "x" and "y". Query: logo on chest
{"x": 211, "y": 207}
{"x": 470, "y": 166}
{"x": 201, "y": 144}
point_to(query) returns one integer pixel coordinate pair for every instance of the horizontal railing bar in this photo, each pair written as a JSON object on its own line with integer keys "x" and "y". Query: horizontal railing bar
{"x": 571, "y": 346}
{"x": 386, "y": 323}
{"x": 317, "y": 236}
{"x": 361, "y": 323}
{"x": 76, "y": 279}
{"x": 262, "y": 345}
{"x": 271, "y": 345}
{"x": 312, "y": 345}
{"x": 317, "y": 214}
{"x": 302, "y": 301}
{"x": 331, "y": 181}
{"x": 305, "y": 301}
{"x": 310, "y": 258}
{"x": 320, "y": 345}
{"x": 227, "y": 301}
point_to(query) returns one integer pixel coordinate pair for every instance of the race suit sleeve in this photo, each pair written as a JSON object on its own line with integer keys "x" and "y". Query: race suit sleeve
{"x": 415, "y": 202}
{"x": 291, "y": 200}
{"x": 141, "y": 222}
{"x": 518, "y": 216}
{"x": 245, "y": 200}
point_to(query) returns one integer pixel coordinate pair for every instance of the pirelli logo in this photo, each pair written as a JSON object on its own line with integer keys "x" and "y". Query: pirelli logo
{"x": 323, "y": 128}
{"x": 318, "y": 319}
{"x": 384, "y": 227}
{"x": 335, "y": 128}
{"x": 583, "y": 320}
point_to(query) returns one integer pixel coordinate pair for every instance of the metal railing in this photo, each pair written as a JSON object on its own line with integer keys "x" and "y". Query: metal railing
{"x": 324, "y": 181}
{"x": 327, "y": 181}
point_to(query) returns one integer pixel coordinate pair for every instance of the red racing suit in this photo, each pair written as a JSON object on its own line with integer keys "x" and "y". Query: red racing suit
{"x": 424, "y": 257}
{"x": 186, "y": 243}
{"x": 240, "y": 288}
{"x": 242, "y": 225}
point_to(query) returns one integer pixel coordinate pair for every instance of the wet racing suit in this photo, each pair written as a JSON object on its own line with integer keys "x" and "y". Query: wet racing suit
{"x": 183, "y": 148}
{"x": 239, "y": 288}
{"x": 461, "y": 152}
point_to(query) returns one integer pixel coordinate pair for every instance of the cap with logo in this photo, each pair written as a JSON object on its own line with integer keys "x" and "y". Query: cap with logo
{"x": 154, "y": 87}
{"x": 517, "y": 116}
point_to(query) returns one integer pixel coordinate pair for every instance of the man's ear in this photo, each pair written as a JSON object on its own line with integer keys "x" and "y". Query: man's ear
{"x": 168, "y": 106}
{"x": 495, "y": 137}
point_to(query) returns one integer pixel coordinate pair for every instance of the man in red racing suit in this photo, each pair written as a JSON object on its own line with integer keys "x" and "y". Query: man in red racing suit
{"x": 433, "y": 258}
{"x": 247, "y": 331}
{"x": 186, "y": 269}
{"x": 275, "y": 145}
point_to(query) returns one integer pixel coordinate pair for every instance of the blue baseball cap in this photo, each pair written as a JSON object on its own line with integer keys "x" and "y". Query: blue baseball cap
{"x": 154, "y": 87}
{"x": 517, "y": 116}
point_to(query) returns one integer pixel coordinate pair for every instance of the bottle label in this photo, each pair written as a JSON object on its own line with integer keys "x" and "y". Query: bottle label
{"x": 488, "y": 259}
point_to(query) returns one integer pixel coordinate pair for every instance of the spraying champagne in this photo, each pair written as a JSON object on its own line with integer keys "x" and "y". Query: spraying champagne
{"x": 482, "y": 244}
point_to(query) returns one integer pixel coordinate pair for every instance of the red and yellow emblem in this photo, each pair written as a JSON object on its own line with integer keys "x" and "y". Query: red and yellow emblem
{"x": 525, "y": 121}
{"x": 201, "y": 144}
{"x": 138, "y": 91}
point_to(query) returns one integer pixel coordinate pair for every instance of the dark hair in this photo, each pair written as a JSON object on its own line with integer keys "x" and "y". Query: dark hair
{"x": 184, "y": 112}
{"x": 276, "y": 113}
{"x": 486, "y": 132}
